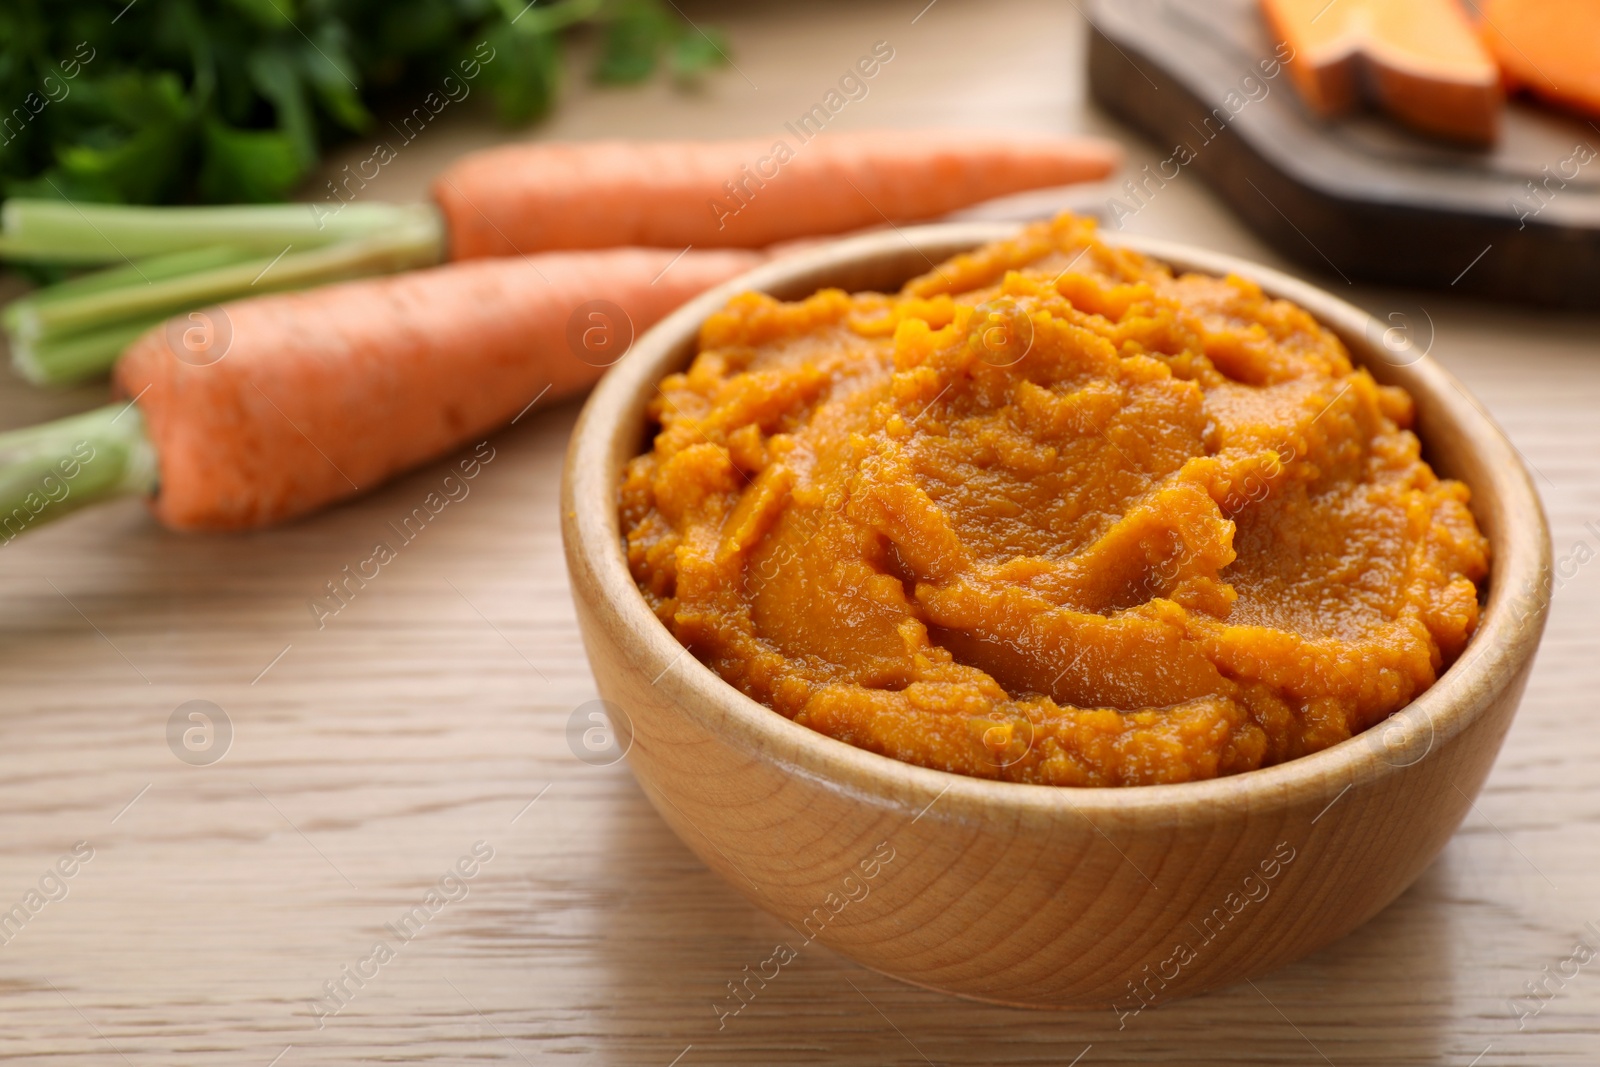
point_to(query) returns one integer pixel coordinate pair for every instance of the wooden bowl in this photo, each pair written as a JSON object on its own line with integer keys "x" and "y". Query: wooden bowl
{"x": 1038, "y": 895}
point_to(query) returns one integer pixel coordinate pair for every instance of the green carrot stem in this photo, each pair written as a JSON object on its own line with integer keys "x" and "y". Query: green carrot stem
{"x": 76, "y": 357}
{"x": 57, "y": 467}
{"x": 52, "y": 313}
{"x": 75, "y": 330}
{"x": 59, "y": 231}
{"x": 153, "y": 269}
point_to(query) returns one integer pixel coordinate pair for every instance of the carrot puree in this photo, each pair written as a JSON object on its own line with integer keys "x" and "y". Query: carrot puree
{"x": 1052, "y": 514}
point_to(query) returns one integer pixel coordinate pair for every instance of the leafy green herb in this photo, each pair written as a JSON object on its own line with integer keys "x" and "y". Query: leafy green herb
{"x": 224, "y": 101}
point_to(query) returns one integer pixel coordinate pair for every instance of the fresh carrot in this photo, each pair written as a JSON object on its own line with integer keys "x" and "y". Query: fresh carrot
{"x": 739, "y": 194}
{"x": 1551, "y": 48}
{"x": 269, "y": 408}
{"x": 523, "y": 198}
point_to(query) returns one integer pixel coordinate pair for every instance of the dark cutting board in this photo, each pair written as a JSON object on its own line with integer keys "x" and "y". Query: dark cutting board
{"x": 1360, "y": 198}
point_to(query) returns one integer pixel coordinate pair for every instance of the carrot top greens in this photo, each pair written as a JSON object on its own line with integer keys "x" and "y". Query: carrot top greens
{"x": 110, "y": 104}
{"x": 228, "y": 101}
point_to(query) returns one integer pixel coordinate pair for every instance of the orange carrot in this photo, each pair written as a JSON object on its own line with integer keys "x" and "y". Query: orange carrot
{"x": 524, "y": 198}
{"x": 1549, "y": 47}
{"x": 739, "y": 194}
{"x": 315, "y": 396}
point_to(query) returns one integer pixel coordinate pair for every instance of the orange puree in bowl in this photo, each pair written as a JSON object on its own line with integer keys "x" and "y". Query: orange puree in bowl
{"x": 1051, "y": 514}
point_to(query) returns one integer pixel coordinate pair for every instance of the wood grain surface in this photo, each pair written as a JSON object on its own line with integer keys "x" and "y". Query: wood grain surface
{"x": 432, "y": 713}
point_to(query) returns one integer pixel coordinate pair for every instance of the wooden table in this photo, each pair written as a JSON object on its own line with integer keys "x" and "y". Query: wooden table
{"x": 431, "y": 714}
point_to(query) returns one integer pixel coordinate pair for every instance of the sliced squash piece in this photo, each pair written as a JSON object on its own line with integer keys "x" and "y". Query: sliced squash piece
{"x": 1420, "y": 60}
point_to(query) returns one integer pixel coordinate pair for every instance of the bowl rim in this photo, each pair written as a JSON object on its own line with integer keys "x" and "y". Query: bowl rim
{"x": 1492, "y": 661}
